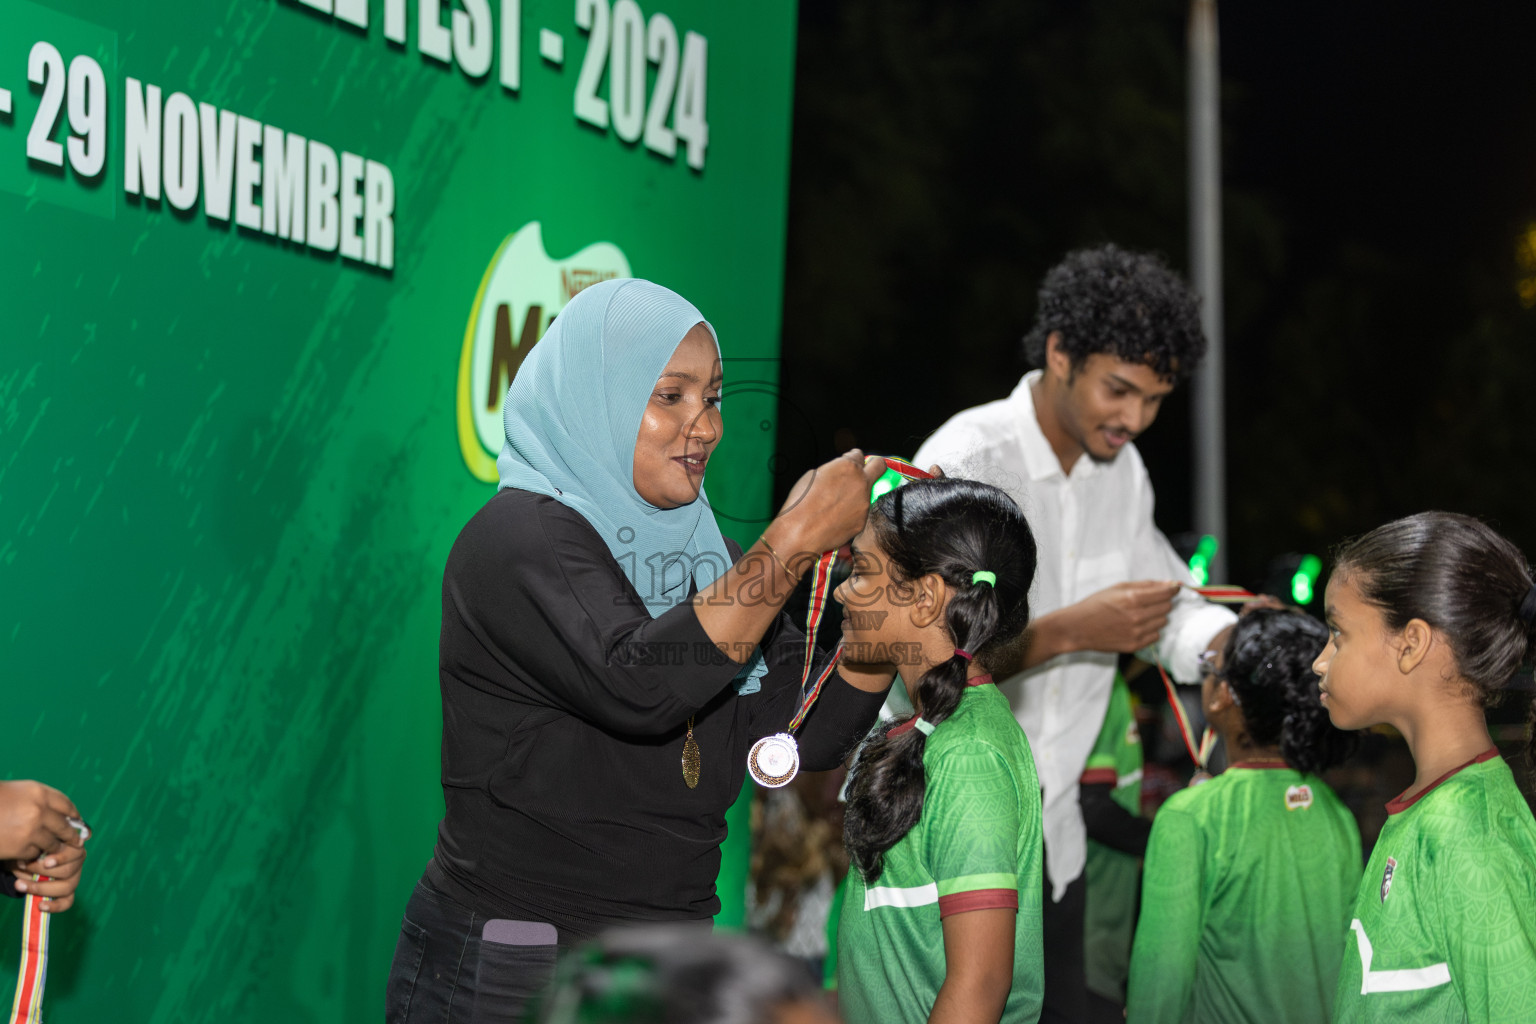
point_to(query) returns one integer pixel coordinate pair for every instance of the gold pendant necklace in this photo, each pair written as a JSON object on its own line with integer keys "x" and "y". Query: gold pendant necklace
{"x": 691, "y": 758}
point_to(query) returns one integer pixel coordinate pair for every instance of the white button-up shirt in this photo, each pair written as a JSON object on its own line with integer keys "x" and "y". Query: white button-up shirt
{"x": 1093, "y": 528}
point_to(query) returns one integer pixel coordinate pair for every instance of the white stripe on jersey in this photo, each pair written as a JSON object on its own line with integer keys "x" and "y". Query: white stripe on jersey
{"x": 1128, "y": 778}
{"x": 889, "y": 896}
{"x": 1408, "y": 980}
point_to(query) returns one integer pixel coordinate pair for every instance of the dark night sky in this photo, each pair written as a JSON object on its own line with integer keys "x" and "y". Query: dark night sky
{"x": 1380, "y": 162}
{"x": 1410, "y": 123}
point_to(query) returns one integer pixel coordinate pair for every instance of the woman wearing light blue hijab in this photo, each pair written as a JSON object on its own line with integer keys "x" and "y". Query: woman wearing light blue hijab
{"x": 594, "y": 734}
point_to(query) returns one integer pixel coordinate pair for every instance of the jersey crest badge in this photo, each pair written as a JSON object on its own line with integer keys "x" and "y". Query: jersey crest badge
{"x": 1298, "y": 798}
{"x": 1386, "y": 878}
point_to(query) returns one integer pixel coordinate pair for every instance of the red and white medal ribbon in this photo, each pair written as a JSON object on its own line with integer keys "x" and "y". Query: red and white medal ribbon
{"x": 27, "y": 1008}
{"x": 1201, "y": 755}
{"x": 775, "y": 760}
{"x": 905, "y": 468}
{"x": 1225, "y": 594}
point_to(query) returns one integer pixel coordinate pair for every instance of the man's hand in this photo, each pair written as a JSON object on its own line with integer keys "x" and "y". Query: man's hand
{"x": 34, "y": 820}
{"x": 1121, "y": 619}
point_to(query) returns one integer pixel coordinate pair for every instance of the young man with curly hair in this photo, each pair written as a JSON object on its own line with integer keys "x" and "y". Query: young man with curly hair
{"x": 1115, "y": 331}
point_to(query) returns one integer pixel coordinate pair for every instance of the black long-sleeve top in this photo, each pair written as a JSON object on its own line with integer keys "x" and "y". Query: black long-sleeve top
{"x": 1109, "y": 823}
{"x": 565, "y": 708}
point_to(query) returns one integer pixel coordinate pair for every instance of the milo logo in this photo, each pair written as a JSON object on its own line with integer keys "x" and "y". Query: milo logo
{"x": 1298, "y": 798}
{"x": 520, "y": 293}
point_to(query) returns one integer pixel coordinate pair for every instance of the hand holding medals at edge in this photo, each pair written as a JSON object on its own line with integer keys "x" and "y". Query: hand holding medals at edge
{"x": 775, "y": 760}
{"x": 40, "y": 831}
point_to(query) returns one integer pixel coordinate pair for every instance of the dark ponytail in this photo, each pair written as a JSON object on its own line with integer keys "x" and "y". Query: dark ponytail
{"x": 1268, "y": 666}
{"x": 950, "y": 528}
{"x": 1464, "y": 579}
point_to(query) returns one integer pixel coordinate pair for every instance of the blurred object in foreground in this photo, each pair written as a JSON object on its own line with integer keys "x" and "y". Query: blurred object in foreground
{"x": 797, "y": 859}
{"x": 680, "y": 974}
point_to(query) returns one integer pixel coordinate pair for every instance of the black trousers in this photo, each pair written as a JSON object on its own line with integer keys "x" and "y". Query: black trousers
{"x": 1066, "y": 964}
{"x": 444, "y": 973}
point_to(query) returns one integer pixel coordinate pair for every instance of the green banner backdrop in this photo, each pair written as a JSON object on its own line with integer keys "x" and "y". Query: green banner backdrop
{"x": 265, "y": 269}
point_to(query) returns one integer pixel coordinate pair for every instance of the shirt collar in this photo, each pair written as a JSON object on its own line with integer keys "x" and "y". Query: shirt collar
{"x": 1039, "y": 458}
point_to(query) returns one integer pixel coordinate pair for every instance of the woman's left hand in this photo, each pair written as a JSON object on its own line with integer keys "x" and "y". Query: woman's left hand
{"x": 827, "y": 506}
{"x": 62, "y": 869}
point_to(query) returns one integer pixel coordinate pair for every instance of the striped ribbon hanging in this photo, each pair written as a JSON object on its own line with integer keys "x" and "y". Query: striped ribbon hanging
{"x": 28, "y": 1005}
{"x": 821, "y": 591}
{"x": 1201, "y": 755}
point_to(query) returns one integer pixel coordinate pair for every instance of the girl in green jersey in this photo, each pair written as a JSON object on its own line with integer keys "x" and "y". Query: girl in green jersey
{"x": 1429, "y": 618}
{"x": 941, "y": 920}
{"x": 1250, "y": 876}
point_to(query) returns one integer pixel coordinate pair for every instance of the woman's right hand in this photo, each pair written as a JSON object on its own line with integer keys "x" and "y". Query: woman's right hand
{"x": 828, "y": 505}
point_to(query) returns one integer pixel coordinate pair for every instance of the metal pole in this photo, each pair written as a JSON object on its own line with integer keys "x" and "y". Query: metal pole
{"x": 1205, "y": 259}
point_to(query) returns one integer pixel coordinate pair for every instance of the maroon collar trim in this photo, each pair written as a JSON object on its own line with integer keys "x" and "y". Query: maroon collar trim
{"x": 1398, "y": 804}
{"x": 1259, "y": 765}
{"x": 911, "y": 723}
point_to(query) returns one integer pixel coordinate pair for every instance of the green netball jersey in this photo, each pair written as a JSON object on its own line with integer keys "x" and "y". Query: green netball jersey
{"x": 1245, "y": 901}
{"x": 1444, "y": 924}
{"x": 1113, "y": 877}
{"x": 976, "y": 846}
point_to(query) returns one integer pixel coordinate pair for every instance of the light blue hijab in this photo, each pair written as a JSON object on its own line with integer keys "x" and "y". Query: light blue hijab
{"x": 572, "y": 416}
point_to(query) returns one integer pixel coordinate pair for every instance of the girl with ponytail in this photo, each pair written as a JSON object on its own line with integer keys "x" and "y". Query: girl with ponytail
{"x": 1250, "y": 876}
{"x": 941, "y": 921}
{"x": 1429, "y": 619}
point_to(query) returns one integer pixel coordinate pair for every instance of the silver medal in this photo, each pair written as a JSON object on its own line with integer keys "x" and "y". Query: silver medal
{"x": 774, "y": 760}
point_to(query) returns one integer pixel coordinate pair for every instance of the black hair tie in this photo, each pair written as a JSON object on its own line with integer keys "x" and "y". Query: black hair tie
{"x": 1528, "y": 606}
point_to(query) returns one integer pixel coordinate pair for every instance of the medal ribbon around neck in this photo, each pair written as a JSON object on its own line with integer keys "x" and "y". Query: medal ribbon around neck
{"x": 1199, "y": 755}
{"x": 775, "y": 760}
{"x": 27, "y": 1008}
{"x": 1219, "y": 594}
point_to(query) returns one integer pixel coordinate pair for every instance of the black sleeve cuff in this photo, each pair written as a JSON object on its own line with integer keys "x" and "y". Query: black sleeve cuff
{"x": 1112, "y": 825}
